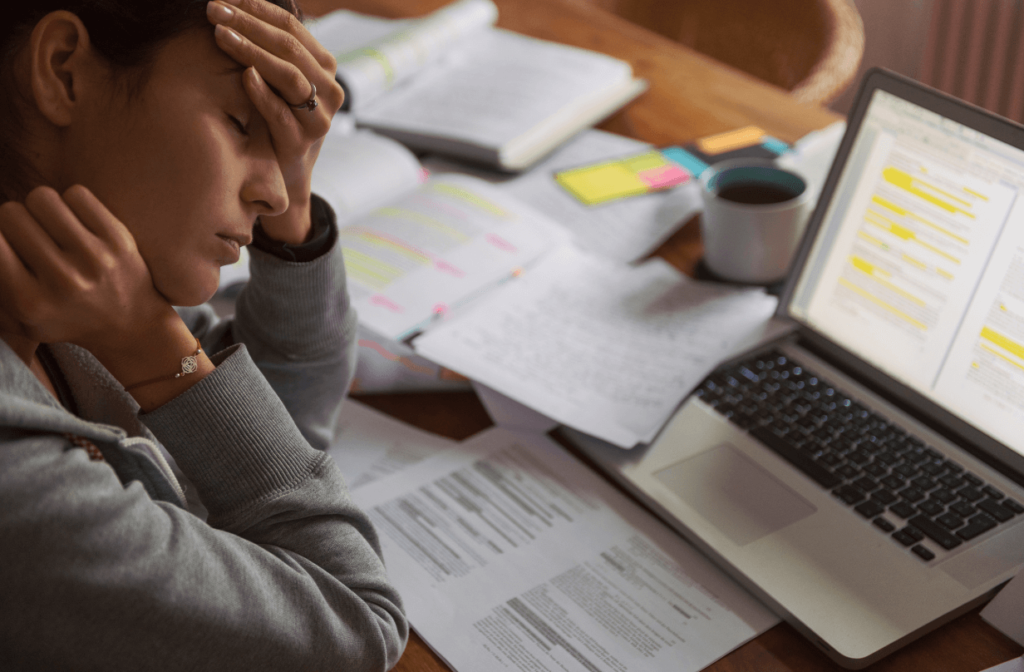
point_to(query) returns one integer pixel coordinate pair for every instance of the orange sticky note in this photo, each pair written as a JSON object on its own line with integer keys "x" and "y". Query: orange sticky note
{"x": 730, "y": 140}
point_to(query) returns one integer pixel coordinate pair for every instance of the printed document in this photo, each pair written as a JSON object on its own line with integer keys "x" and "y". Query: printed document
{"x": 511, "y": 555}
{"x": 604, "y": 348}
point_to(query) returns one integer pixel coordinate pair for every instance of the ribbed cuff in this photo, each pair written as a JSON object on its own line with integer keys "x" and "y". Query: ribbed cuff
{"x": 324, "y": 235}
{"x": 298, "y": 310}
{"x": 233, "y": 438}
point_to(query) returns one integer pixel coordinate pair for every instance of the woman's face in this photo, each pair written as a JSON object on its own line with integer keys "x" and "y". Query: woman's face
{"x": 186, "y": 164}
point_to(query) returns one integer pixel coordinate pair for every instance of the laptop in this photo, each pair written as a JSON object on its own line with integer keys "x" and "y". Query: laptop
{"x": 863, "y": 475}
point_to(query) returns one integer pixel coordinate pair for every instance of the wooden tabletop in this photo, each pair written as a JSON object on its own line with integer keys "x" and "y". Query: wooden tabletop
{"x": 690, "y": 96}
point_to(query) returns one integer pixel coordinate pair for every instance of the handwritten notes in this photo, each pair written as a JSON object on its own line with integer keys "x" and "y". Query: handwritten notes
{"x": 608, "y": 349}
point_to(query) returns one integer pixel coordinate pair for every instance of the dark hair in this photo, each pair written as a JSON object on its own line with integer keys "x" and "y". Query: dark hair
{"x": 128, "y": 33}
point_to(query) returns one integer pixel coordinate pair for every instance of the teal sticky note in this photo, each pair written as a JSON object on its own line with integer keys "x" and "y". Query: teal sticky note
{"x": 685, "y": 159}
{"x": 774, "y": 145}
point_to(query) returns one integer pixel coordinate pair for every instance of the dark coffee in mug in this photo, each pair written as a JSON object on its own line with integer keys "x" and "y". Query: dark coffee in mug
{"x": 757, "y": 193}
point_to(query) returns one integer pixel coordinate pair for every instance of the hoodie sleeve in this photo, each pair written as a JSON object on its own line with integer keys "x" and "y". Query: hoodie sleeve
{"x": 297, "y": 323}
{"x": 286, "y": 574}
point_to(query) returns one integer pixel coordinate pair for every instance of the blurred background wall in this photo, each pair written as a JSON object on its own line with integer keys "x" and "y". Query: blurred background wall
{"x": 973, "y": 49}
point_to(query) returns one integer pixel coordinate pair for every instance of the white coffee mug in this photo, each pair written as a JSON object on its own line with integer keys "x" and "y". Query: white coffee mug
{"x": 751, "y": 233}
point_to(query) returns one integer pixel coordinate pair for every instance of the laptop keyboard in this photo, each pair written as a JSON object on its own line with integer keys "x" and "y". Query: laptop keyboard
{"x": 907, "y": 489}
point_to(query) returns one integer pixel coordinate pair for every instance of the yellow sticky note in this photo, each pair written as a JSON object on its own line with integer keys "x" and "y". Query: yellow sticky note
{"x": 730, "y": 140}
{"x": 604, "y": 182}
{"x": 643, "y": 162}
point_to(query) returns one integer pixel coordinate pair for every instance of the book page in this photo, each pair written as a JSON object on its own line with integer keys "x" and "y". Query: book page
{"x": 511, "y": 555}
{"x": 495, "y": 88}
{"x": 371, "y": 67}
{"x": 412, "y": 263}
{"x": 359, "y": 172}
{"x": 607, "y": 349}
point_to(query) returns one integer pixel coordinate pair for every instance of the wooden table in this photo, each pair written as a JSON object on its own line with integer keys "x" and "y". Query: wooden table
{"x": 690, "y": 96}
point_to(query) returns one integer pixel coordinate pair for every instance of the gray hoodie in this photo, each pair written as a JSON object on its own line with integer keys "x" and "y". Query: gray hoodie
{"x": 103, "y": 567}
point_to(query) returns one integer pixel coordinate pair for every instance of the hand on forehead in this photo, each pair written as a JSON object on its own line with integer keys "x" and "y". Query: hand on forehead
{"x": 290, "y": 80}
{"x": 274, "y": 42}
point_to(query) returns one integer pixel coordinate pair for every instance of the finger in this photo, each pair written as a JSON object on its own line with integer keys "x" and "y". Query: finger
{"x": 289, "y": 81}
{"x": 37, "y": 251}
{"x": 13, "y": 271}
{"x": 97, "y": 218}
{"x": 284, "y": 127}
{"x": 278, "y": 41}
{"x": 281, "y": 58}
{"x": 16, "y": 283}
{"x": 56, "y": 218}
{"x": 288, "y": 22}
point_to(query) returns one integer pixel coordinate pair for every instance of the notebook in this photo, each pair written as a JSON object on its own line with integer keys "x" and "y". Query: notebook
{"x": 863, "y": 475}
{"x": 452, "y": 84}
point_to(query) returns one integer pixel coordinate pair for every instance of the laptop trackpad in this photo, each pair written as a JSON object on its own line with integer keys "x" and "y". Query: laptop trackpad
{"x": 734, "y": 494}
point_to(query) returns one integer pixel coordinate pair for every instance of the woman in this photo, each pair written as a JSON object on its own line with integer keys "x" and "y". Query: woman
{"x": 141, "y": 144}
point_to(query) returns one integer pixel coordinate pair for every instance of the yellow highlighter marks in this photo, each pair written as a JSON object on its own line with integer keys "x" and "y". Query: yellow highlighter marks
{"x": 925, "y": 191}
{"x": 889, "y": 205}
{"x": 1003, "y": 342}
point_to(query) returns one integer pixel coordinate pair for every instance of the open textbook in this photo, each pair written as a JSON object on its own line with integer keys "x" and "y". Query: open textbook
{"x": 452, "y": 83}
{"x": 510, "y": 554}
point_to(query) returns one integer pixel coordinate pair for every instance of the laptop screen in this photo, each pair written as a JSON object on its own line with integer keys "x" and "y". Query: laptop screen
{"x": 918, "y": 264}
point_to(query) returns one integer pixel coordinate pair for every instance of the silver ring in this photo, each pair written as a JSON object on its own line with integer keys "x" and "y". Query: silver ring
{"x": 309, "y": 104}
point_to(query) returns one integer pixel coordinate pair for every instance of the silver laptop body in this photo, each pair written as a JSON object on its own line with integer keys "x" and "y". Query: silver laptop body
{"x": 907, "y": 299}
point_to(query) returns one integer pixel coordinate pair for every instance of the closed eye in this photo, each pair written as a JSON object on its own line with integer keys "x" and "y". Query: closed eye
{"x": 239, "y": 126}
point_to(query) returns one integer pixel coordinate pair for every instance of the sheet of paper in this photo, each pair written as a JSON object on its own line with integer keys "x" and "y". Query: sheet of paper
{"x": 511, "y": 555}
{"x": 361, "y": 171}
{"x": 511, "y": 414}
{"x": 369, "y": 445}
{"x": 625, "y": 230}
{"x": 613, "y": 458}
{"x": 605, "y": 348}
{"x": 414, "y": 262}
{"x": 1006, "y": 610}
